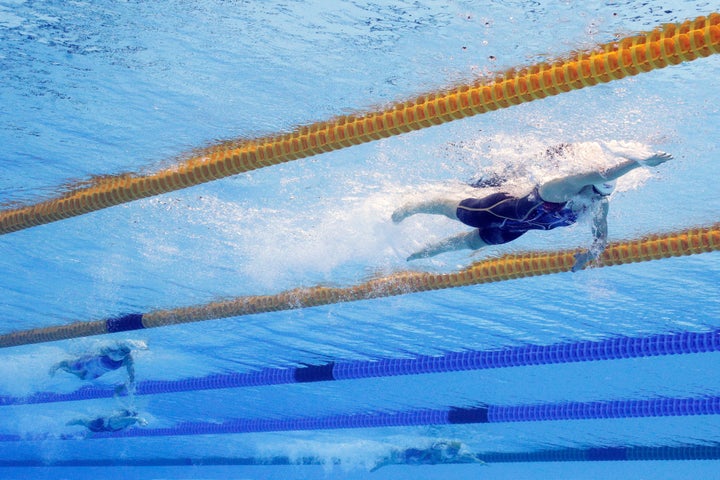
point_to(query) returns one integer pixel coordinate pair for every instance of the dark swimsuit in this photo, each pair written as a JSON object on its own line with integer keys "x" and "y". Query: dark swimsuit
{"x": 501, "y": 218}
{"x": 98, "y": 425}
{"x": 103, "y": 424}
{"x": 92, "y": 367}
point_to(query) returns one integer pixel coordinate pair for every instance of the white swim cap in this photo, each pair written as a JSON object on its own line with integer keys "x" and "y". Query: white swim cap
{"x": 605, "y": 188}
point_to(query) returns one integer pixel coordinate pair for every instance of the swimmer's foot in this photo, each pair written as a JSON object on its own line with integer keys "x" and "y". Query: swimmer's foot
{"x": 415, "y": 256}
{"x": 402, "y": 213}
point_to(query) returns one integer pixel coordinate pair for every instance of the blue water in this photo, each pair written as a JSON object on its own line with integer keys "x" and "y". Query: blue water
{"x": 101, "y": 88}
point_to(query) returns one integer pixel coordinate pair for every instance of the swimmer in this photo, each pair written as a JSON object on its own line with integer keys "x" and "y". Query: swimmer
{"x": 501, "y": 218}
{"x": 440, "y": 452}
{"x": 120, "y": 420}
{"x": 108, "y": 359}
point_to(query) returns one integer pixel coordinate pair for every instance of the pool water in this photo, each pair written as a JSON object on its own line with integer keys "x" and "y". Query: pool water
{"x": 93, "y": 89}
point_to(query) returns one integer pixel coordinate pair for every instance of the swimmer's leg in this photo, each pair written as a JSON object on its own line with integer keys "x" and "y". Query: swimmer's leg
{"x": 439, "y": 206}
{"x": 78, "y": 421}
{"x": 64, "y": 365}
{"x": 468, "y": 240}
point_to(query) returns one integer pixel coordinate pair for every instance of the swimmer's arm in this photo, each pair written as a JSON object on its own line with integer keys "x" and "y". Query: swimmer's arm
{"x": 600, "y": 229}
{"x": 468, "y": 240}
{"x": 563, "y": 189}
{"x": 128, "y": 387}
{"x": 600, "y": 236}
{"x": 130, "y": 365}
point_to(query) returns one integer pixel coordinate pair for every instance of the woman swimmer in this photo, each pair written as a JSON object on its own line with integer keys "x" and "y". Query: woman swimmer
{"x": 116, "y": 422}
{"x": 501, "y": 218}
{"x": 108, "y": 359}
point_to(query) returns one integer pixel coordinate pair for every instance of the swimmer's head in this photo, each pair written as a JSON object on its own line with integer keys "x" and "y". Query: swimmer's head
{"x": 136, "y": 344}
{"x": 119, "y": 353}
{"x": 124, "y": 349}
{"x": 604, "y": 189}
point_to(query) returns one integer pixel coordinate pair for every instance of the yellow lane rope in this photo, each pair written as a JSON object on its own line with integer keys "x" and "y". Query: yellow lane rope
{"x": 667, "y": 45}
{"x": 508, "y": 267}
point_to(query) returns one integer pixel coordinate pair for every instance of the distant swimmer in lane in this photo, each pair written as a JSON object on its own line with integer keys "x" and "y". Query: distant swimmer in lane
{"x": 107, "y": 359}
{"x": 501, "y": 218}
{"x": 442, "y": 452}
{"x": 116, "y": 422}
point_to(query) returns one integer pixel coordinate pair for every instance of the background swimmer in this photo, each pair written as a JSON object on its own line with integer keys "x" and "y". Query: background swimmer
{"x": 440, "y": 452}
{"x": 108, "y": 359}
{"x": 120, "y": 420}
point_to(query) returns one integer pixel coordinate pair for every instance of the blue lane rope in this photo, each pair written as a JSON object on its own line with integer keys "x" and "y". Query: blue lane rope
{"x": 167, "y": 462}
{"x": 592, "y": 454}
{"x": 614, "y": 409}
{"x": 612, "y": 349}
{"x": 607, "y": 453}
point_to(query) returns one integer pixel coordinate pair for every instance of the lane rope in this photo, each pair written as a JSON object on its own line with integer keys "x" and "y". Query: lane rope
{"x": 680, "y": 343}
{"x": 600, "y": 453}
{"x": 667, "y": 45}
{"x": 480, "y": 414}
{"x": 507, "y": 267}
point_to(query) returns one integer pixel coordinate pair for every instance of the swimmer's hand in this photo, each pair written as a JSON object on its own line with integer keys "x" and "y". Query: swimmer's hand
{"x": 582, "y": 259}
{"x": 655, "y": 160}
